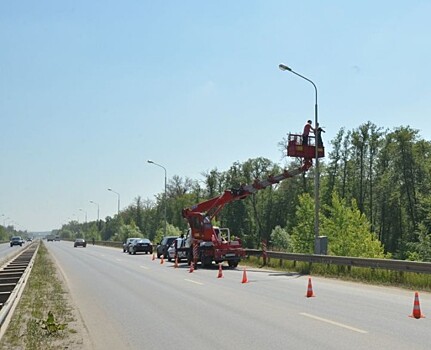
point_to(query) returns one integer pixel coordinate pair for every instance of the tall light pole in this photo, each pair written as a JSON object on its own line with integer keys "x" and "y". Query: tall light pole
{"x": 317, "y": 249}
{"x": 161, "y": 166}
{"x": 85, "y": 214}
{"x": 98, "y": 210}
{"x": 118, "y": 202}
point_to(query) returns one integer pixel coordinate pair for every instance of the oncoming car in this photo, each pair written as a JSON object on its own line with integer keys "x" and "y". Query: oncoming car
{"x": 16, "y": 240}
{"x": 80, "y": 242}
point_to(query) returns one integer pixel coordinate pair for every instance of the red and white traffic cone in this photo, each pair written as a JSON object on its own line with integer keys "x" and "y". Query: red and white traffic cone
{"x": 220, "y": 271}
{"x": 417, "y": 308}
{"x": 244, "y": 276}
{"x": 309, "y": 289}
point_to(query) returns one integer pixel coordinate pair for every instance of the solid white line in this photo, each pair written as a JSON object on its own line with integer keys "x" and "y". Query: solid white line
{"x": 144, "y": 267}
{"x": 334, "y": 323}
{"x": 201, "y": 284}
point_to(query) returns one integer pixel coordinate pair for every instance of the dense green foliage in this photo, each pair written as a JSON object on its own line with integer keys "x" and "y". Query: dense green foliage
{"x": 375, "y": 200}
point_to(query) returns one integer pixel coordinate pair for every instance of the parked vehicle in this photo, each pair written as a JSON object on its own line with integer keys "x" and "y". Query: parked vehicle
{"x": 16, "y": 240}
{"x": 162, "y": 247}
{"x": 127, "y": 243}
{"x": 80, "y": 242}
{"x": 181, "y": 254}
{"x": 141, "y": 245}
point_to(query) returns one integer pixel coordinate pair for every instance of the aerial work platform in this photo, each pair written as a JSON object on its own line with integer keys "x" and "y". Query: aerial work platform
{"x": 295, "y": 148}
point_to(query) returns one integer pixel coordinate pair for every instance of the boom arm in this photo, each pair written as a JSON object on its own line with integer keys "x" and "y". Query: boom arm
{"x": 200, "y": 215}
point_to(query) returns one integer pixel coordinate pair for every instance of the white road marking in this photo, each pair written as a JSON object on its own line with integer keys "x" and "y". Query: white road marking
{"x": 186, "y": 279}
{"x": 118, "y": 259}
{"x": 145, "y": 267}
{"x": 334, "y": 323}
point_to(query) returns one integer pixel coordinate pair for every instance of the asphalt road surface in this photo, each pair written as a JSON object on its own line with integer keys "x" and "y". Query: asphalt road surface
{"x": 132, "y": 302}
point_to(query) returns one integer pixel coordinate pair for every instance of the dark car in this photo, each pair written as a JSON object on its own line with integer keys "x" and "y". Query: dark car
{"x": 127, "y": 243}
{"x": 140, "y": 245}
{"x": 16, "y": 240}
{"x": 162, "y": 248}
{"x": 80, "y": 242}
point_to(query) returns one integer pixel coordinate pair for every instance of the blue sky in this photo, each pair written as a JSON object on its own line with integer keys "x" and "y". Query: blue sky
{"x": 90, "y": 90}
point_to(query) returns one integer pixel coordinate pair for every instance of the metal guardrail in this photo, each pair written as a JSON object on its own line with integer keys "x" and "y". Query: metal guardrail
{"x": 13, "y": 277}
{"x": 386, "y": 264}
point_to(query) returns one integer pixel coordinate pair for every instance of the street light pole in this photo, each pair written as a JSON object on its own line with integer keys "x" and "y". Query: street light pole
{"x": 316, "y": 176}
{"x": 161, "y": 166}
{"x": 118, "y": 202}
{"x": 98, "y": 210}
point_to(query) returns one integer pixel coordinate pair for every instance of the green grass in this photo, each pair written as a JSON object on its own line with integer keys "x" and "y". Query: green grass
{"x": 408, "y": 280}
{"x": 43, "y": 293}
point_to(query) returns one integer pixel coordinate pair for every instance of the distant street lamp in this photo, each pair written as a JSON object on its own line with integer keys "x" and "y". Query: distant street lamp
{"x": 85, "y": 214}
{"x": 118, "y": 202}
{"x": 98, "y": 210}
{"x": 161, "y": 166}
{"x": 316, "y": 177}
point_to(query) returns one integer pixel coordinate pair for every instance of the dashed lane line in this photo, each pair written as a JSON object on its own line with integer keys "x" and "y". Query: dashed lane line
{"x": 333, "y": 323}
{"x": 195, "y": 282}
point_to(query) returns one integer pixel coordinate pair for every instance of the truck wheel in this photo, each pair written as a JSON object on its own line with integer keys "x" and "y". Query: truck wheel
{"x": 233, "y": 264}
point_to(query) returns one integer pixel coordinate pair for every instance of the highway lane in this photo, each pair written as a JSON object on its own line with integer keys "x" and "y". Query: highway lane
{"x": 6, "y": 251}
{"x": 131, "y": 301}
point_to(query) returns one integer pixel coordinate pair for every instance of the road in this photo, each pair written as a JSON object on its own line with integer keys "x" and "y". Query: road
{"x": 6, "y": 251}
{"x": 133, "y": 302}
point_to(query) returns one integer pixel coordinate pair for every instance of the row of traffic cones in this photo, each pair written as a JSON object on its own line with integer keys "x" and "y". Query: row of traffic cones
{"x": 416, "y": 304}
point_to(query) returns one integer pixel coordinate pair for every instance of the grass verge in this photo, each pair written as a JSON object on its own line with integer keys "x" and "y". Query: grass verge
{"x": 43, "y": 318}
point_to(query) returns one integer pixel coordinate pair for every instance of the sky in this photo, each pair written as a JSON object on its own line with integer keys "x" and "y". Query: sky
{"x": 90, "y": 90}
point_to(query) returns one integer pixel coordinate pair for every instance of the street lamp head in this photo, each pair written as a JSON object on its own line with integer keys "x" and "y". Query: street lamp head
{"x": 283, "y": 67}
{"x": 150, "y": 161}
{"x": 110, "y": 189}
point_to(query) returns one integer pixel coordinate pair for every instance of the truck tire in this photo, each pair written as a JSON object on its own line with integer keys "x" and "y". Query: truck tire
{"x": 233, "y": 264}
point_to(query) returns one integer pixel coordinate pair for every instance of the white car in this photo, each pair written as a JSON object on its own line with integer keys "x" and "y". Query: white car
{"x": 171, "y": 250}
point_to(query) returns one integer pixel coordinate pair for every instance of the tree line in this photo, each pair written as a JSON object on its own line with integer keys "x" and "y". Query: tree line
{"x": 374, "y": 200}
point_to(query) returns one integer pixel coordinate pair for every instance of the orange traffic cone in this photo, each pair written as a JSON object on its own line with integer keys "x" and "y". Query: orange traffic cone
{"x": 309, "y": 289}
{"x": 192, "y": 267}
{"x": 176, "y": 262}
{"x": 416, "y": 308}
{"x": 220, "y": 271}
{"x": 244, "y": 277}
{"x": 154, "y": 256}
{"x": 162, "y": 260}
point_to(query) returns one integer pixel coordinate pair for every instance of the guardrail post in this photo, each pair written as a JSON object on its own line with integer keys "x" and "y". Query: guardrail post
{"x": 264, "y": 253}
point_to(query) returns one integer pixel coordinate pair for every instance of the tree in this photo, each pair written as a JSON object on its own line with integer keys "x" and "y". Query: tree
{"x": 303, "y": 233}
{"x": 280, "y": 239}
{"x": 348, "y": 231}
